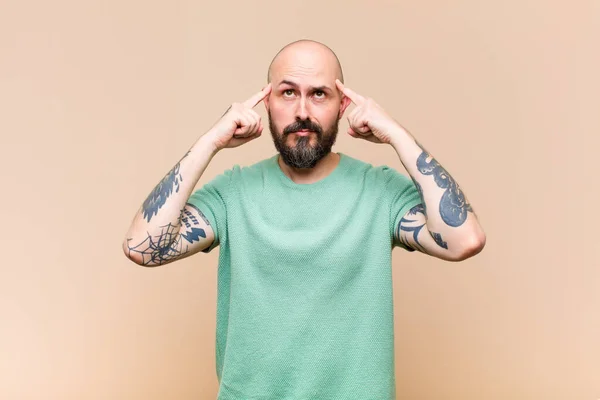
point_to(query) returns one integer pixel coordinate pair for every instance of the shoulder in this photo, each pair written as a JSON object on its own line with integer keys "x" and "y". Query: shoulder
{"x": 382, "y": 173}
{"x": 249, "y": 171}
{"x": 246, "y": 170}
{"x": 361, "y": 167}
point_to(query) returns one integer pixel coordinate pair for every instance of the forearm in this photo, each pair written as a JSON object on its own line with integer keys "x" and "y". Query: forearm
{"x": 163, "y": 206}
{"x": 446, "y": 207}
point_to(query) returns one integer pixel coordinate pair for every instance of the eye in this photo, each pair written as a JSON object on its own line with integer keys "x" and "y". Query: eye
{"x": 320, "y": 94}
{"x": 288, "y": 92}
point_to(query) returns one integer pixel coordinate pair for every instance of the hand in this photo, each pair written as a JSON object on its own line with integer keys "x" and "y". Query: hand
{"x": 368, "y": 120}
{"x": 240, "y": 123}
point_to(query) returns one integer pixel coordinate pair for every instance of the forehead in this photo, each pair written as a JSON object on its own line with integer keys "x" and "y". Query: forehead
{"x": 312, "y": 67}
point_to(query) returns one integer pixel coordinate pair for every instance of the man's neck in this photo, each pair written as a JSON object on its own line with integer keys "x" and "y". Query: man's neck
{"x": 304, "y": 176}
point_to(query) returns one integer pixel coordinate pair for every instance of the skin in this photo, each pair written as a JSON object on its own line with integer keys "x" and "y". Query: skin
{"x": 303, "y": 86}
{"x": 306, "y": 87}
{"x": 444, "y": 225}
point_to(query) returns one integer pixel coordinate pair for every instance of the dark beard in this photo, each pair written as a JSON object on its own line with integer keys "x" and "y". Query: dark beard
{"x": 303, "y": 155}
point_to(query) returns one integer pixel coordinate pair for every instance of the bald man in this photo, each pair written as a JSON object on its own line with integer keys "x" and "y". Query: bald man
{"x": 304, "y": 306}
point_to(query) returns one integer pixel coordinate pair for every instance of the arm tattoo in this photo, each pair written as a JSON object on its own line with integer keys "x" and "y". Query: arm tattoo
{"x": 199, "y": 212}
{"x": 162, "y": 191}
{"x": 420, "y": 190}
{"x": 416, "y": 229}
{"x": 169, "y": 244}
{"x": 453, "y": 204}
{"x": 162, "y": 248}
{"x": 192, "y": 234}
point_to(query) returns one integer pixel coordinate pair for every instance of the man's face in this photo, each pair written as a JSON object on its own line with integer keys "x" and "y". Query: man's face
{"x": 303, "y": 142}
{"x": 304, "y": 109}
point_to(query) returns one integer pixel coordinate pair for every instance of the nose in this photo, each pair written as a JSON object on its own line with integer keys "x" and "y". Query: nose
{"x": 301, "y": 110}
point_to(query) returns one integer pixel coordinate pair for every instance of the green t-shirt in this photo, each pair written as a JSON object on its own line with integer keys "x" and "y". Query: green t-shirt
{"x": 304, "y": 297}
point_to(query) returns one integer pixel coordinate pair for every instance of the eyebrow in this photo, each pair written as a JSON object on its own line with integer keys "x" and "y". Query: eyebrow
{"x": 314, "y": 88}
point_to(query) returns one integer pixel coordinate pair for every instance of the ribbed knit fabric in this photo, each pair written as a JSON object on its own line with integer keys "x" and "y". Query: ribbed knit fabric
{"x": 304, "y": 304}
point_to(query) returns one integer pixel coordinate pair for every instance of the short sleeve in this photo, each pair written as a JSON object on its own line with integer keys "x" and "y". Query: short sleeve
{"x": 402, "y": 194}
{"x": 210, "y": 199}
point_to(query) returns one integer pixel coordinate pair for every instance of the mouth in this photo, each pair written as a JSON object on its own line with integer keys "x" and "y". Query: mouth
{"x": 303, "y": 132}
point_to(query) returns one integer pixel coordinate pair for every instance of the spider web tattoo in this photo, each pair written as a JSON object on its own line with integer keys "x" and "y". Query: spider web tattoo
{"x": 162, "y": 248}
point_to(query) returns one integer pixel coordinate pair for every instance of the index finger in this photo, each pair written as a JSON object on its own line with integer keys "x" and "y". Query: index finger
{"x": 351, "y": 94}
{"x": 258, "y": 97}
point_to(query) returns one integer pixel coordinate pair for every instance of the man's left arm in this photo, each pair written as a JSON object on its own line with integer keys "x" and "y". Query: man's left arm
{"x": 444, "y": 225}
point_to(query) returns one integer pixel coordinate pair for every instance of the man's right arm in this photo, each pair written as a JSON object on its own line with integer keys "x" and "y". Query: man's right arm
{"x": 168, "y": 228}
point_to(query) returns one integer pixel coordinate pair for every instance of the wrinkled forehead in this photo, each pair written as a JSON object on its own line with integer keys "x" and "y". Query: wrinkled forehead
{"x": 303, "y": 79}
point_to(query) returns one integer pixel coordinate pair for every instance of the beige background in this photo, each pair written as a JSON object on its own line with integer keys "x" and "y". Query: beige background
{"x": 99, "y": 99}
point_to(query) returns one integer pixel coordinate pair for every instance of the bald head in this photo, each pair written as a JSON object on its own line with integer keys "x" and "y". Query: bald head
{"x": 307, "y": 56}
{"x": 304, "y": 98}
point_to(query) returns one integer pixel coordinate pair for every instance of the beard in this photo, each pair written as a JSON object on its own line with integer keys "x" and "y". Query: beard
{"x": 303, "y": 155}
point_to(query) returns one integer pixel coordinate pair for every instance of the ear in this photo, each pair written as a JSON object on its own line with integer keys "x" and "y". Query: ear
{"x": 266, "y": 101}
{"x": 343, "y": 105}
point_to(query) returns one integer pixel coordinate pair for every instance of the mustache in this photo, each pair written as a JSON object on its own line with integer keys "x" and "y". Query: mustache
{"x": 303, "y": 124}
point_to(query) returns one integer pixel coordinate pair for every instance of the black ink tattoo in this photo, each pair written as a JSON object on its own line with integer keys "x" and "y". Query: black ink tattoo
{"x": 199, "y": 212}
{"x": 192, "y": 234}
{"x": 438, "y": 239}
{"x": 404, "y": 226}
{"x": 162, "y": 191}
{"x": 453, "y": 204}
{"x": 161, "y": 248}
{"x": 188, "y": 218}
{"x": 169, "y": 245}
{"x": 420, "y": 190}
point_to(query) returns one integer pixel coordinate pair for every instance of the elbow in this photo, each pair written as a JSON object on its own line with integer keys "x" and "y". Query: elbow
{"x": 131, "y": 256}
{"x": 470, "y": 247}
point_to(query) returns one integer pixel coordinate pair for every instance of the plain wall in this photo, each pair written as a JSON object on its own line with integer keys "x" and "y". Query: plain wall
{"x": 99, "y": 99}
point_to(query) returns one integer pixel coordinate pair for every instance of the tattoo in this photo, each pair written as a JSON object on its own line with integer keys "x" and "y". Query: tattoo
{"x": 453, "y": 204}
{"x": 188, "y": 218}
{"x": 404, "y": 226}
{"x": 162, "y": 191}
{"x": 192, "y": 234}
{"x": 162, "y": 248}
{"x": 438, "y": 239}
{"x": 168, "y": 245}
{"x": 206, "y": 221}
{"x": 420, "y": 190}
